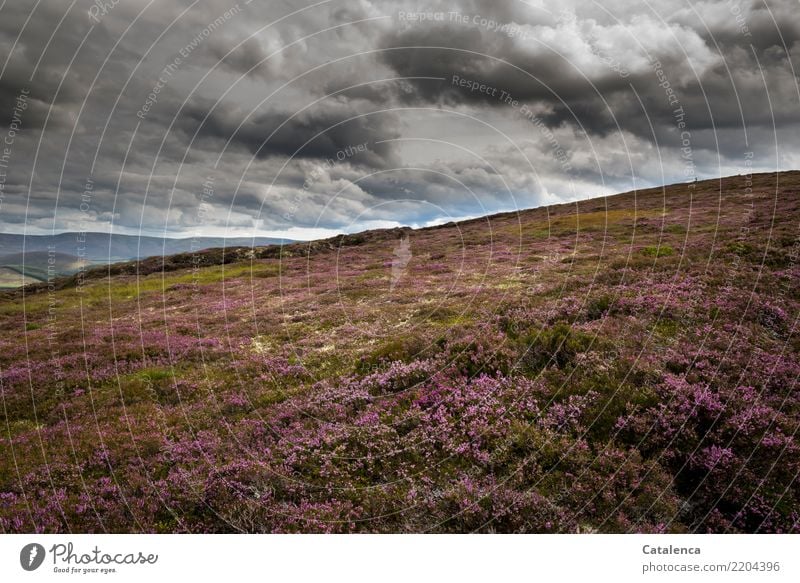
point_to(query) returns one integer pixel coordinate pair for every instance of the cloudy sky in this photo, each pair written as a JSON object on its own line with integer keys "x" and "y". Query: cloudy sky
{"x": 304, "y": 118}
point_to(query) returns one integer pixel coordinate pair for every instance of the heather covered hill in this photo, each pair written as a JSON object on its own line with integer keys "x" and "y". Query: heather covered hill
{"x": 626, "y": 363}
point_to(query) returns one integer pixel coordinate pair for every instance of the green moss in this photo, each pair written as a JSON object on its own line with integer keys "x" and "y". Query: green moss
{"x": 131, "y": 287}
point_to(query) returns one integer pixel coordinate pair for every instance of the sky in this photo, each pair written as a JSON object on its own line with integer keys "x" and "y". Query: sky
{"x": 302, "y": 119}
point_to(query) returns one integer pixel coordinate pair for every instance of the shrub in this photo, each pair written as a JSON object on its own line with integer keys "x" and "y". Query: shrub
{"x": 482, "y": 350}
{"x": 400, "y": 348}
{"x": 598, "y": 307}
{"x": 557, "y": 345}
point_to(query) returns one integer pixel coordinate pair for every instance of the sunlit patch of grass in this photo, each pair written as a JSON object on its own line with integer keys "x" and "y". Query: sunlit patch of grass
{"x": 161, "y": 283}
{"x": 508, "y": 284}
{"x": 31, "y": 304}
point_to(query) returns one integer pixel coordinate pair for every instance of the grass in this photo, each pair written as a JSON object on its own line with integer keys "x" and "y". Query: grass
{"x": 126, "y": 288}
{"x": 611, "y": 220}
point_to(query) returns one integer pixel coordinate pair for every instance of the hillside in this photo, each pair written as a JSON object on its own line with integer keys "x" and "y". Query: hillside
{"x": 626, "y": 363}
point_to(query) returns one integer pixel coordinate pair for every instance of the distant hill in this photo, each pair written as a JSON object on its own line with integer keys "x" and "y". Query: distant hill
{"x": 24, "y": 268}
{"x": 110, "y": 248}
{"x": 10, "y": 278}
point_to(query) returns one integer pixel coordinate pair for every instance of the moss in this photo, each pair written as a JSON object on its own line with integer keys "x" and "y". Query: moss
{"x": 600, "y": 221}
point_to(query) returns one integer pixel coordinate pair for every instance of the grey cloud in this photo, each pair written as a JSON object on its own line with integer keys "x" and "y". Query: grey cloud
{"x": 324, "y": 132}
{"x": 578, "y": 90}
{"x": 246, "y": 59}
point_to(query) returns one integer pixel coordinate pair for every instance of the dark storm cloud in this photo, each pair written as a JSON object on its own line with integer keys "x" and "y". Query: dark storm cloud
{"x": 750, "y": 93}
{"x": 762, "y": 24}
{"x": 38, "y": 64}
{"x": 490, "y": 59}
{"x": 325, "y": 132}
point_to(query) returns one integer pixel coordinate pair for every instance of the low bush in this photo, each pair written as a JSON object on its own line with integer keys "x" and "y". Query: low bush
{"x": 557, "y": 345}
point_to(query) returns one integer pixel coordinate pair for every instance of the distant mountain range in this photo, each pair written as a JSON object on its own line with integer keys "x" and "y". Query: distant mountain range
{"x": 109, "y": 248}
{"x": 26, "y": 259}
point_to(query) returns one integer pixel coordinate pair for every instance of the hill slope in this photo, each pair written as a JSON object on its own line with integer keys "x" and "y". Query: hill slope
{"x": 627, "y": 363}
